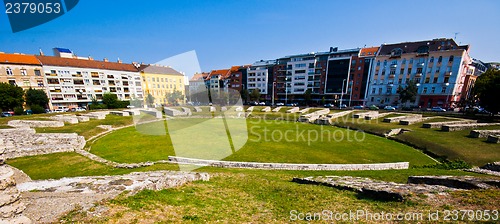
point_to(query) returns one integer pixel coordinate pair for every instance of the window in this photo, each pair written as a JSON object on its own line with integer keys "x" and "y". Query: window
{"x": 427, "y": 79}
{"x": 425, "y": 90}
{"x": 385, "y": 62}
{"x": 402, "y": 71}
{"x": 378, "y": 63}
{"x": 9, "y": 71}
{"x": 451, "y": 59}
{"x": 433, "y": 89}
{"x": 392, "y": 72}
{"x": 409, "y": 70}
{"x": 431, "y": 60}
{"x": 373, "y": 91}
{"x": 379, "y": 90}
{"x": 417, "y": 80}
{"x": 435, "y": 79}
{"x": 411, "y": 60}
{"x": 443, "y": 90}
{"x": 404, "y": 61}
{"x": 429, "y": 70}
{"x": 440, "y": 59}
{"x": 446, "y": 79}
{"x": 389, "y": 90}
{"x": 419, "y": 70}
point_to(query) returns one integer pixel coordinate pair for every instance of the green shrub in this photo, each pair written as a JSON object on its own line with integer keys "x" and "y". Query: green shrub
{"x": 37, "y": 109}
{"x": 18, "y": 111}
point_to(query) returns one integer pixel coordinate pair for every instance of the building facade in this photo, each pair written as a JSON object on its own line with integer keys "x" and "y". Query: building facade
{"x": 21, "y": 70}
{"x": 159, "y": 81}
{"x": 438, "y": 67}
{"x": 74, "y": 82}
{"x": 260, "y": 77}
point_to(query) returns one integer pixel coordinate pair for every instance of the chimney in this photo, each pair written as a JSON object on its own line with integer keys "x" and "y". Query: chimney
{"x": 119, "y": 61}
{"x": 334, "y": 49}
{"x": 91, "y": 58}
{"x": 41, "y": 52}
{"x": 105, "y": 60}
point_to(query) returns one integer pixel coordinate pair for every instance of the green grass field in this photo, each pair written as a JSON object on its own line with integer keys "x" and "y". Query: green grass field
{"x": 262, "y": 196}
{"x": 449, "y": 145}
{"x": 267, "y": 142}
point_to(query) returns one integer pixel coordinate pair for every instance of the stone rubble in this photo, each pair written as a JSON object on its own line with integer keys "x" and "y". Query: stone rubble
{"x": 21, "y": 142}
{"x": 440, "y": 124}
{"x": 34, "y": 124}
{"x": 381, "y": 190}
{"x": 483, "y": 133}
{"x": 400, "y": 118}
{"x": 293, "y": 110}
{"x": 459, "y": 127}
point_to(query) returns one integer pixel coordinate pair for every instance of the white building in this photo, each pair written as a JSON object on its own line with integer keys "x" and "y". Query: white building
{"x": 73, "y": 82}
{"x": 259, "y": 76}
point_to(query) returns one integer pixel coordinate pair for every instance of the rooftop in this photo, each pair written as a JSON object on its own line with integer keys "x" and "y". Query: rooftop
{"x": 158, "y": 69}
{"x": 20, "y": 59}
{"x": 81, "y": 63}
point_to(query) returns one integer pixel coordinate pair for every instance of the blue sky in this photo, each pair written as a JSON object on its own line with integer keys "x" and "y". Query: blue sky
{"x": 225, "y": 33}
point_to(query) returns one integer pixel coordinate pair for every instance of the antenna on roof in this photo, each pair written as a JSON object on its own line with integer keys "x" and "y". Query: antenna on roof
{"x": 456, "y": 33}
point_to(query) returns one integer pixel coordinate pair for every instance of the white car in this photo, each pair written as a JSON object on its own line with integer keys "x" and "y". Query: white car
{"x": 59, "y": 111}
{"x": 262, "y": 103}
{"x": 280, "y": 104}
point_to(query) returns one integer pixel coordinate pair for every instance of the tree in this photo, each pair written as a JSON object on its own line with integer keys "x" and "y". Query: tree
{"x": 174, "y": 97}
{"x": 36, "y": 97}
{"x": 486, "y": 89}
{"x": 409, "y": 93}
{"x": 244, "y": 95}
{"x": 110, "y": 100}
{"x": 255, "y": 95}
{"x": 11, "y": 96}
{"x": 150, "y": 100}
{"x": 308, "y": 96}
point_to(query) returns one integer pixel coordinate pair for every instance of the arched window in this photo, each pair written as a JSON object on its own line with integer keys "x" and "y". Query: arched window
{"x": 9, "y": 71}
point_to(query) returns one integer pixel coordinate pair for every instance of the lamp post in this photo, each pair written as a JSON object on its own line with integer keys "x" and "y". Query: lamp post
{"x": 286, "y": 91}
{"x": 342, "y": 93}
{"x": 447, "y": 94}
{"x": 272, "y": 101}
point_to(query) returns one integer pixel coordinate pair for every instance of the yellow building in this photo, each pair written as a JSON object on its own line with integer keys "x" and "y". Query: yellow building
{"x": 160, "y": 81}
{"x": 21, "y": 70}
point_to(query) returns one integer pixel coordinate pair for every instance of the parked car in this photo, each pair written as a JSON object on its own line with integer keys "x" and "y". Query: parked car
{"x": 262, "y": 103}
{"x": 342, "y": 106}
{"x": 280, "y": 104}
{"x": 131, "y": 106}
{"x": 328, "y": 105}
{"x": 358, "y": 107}
{"x": 80, "y": 109}
{"x": 6, "y": 114}
{"x": 389, "y": 108}
{"x": 59, "y": 111}
{"x": 28, "y": 112}
{"x": 373, "y": 107}
{"x": 438, "y": 109}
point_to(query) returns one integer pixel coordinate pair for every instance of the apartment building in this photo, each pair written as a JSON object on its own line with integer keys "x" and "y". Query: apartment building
{"x": 160, "y": 80}
{"x": 217, "y": 80}
{"x": 360, "y": 70}
{"x": 438, "y": 66}
{"x": 73, "y": 81}
{"x": 260, "y": 77}
{"x": 21, "y": 70}
{"x": 238, "y": 77}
